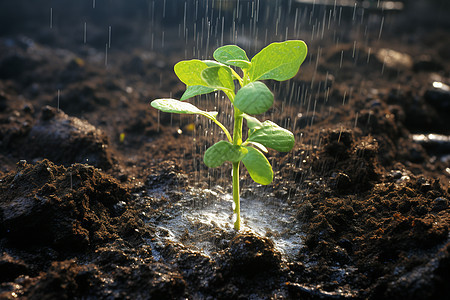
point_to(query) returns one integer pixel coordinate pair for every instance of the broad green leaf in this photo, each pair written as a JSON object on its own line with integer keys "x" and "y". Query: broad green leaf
{"x": 252, "y": 122}
{"x": 195, "y": 90}
{"x": 232, "y": 55}
{"x": 258, "y": 166}
{"x": 178, "y": 107}
{"x": 190, "y": 71}
{"x": 223, "y": 151}
{"x": 273, "y": 136}
{"x": 218, "y": 77}
{"x": 278, "y": 61}
{"x": 254, "y": 98}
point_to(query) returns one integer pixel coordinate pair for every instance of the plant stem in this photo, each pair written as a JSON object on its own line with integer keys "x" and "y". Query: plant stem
{"x": 237, "y": 140}
{"x": 236, "y": 199}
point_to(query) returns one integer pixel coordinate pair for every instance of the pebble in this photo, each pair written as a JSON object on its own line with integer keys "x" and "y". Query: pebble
{"x": 439, "y": 204}
{"x": 425, "y": 63}
{"x": 438, "y": 96}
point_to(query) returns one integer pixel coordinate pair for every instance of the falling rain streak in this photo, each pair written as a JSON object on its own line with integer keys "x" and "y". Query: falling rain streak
{"x": 85, "y": 33}
{"x": 58, "y": 96}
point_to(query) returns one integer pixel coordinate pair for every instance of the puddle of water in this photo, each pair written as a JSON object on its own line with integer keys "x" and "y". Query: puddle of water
{"x": 202, "y": 220}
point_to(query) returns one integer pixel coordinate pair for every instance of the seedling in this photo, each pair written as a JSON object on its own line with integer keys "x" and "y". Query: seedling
{"x": 277, "y": 61}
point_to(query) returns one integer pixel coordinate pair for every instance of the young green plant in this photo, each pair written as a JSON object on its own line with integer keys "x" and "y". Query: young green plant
{"x": 278, "y": 61}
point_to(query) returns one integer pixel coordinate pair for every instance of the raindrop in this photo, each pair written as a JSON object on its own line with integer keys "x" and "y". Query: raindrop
{"x": 381, "y": 27}
{"x": 164, "y": 9}
{"x": 368, "y": 119}
{"x": 59, "y": 94}
{"x": 106, "y": 54}
{"x": 85, "y": 33}
{"x": 51, "y": 17}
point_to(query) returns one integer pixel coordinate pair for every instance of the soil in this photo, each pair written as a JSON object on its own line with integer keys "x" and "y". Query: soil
{"x": 92, "y": 178}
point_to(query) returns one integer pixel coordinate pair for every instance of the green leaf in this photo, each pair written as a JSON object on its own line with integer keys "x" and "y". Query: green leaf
{"x": 273, "y": 136}
{"x": 258, "y": 166}
{"x": 278, "y": 61}
{"x": 178, "y": 107}
{"x": 254, "y": 98}
{"x": 195, "y": 90}
{"x": 258, "y": 146}
{"x": 243, "y": 64}
{"x": 223, "y": 151}
{"x": 252, "y": 122}
{"x": 190, "y": 71}
{"x": 232, "y": 55}
{"x": 212, "y": 63}
{"x": 218, "y": 77}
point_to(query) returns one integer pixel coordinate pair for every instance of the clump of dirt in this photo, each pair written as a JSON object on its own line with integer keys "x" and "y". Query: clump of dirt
{"x": 401, "y": 221}
{"x": 63, "y": 208}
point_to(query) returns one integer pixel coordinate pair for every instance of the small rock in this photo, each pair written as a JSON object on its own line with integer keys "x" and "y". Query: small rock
{"x": 425, "y": 63}
{"x": 11, "y": 268}
{"x": 438, "y": 96}
{"x": 28, "y": 108}
{"x": 396, "y": 174}
{"x": 375, "y": 103}
{"x": 439, "y": 204}
{"x": 340, "y": 181}
{"x": 394, "y": 59}
{"x": 67, "y": 140}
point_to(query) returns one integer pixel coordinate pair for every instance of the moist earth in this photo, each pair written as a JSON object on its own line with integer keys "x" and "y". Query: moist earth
{"x": 90, "y": 173}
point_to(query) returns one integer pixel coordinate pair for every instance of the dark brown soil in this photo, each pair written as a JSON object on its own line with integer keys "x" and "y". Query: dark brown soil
{"x": 90, "y": 175}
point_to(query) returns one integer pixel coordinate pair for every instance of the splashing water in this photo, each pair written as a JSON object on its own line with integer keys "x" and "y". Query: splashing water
{"x": 202, "y": 221}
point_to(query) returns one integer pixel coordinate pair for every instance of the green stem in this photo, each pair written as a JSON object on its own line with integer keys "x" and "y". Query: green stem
{"x": 236, "y": 75}
{"x": 224, "y": 130}
{"x": 237, "y": 131}
{"x": 237, "y": 140}
{"x": 236, "y": 199}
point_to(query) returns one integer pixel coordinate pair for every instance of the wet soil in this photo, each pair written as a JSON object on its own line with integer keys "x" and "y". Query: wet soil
{"x": 102, "y": 197}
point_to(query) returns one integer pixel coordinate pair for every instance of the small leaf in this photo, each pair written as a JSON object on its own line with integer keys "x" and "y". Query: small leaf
{"x": 223, "y": 151}
{"x": 218, "y": 77}
{"x": 258, "y": 166}
{"x": 195, "y": 90}
{"x": 212, "y": 63}
{"x": 278, "y": 61}
{"x": 178, "y": 107}
{"x": 252, "y": 122}
{"x": 190, "y": 71}
{"x": 258, "y": 146}
{"x": 232, "y": 55}
{"x": 254, "y": 98}
{"x": 273, "y": 136}
{"x": 243, "y": 64}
